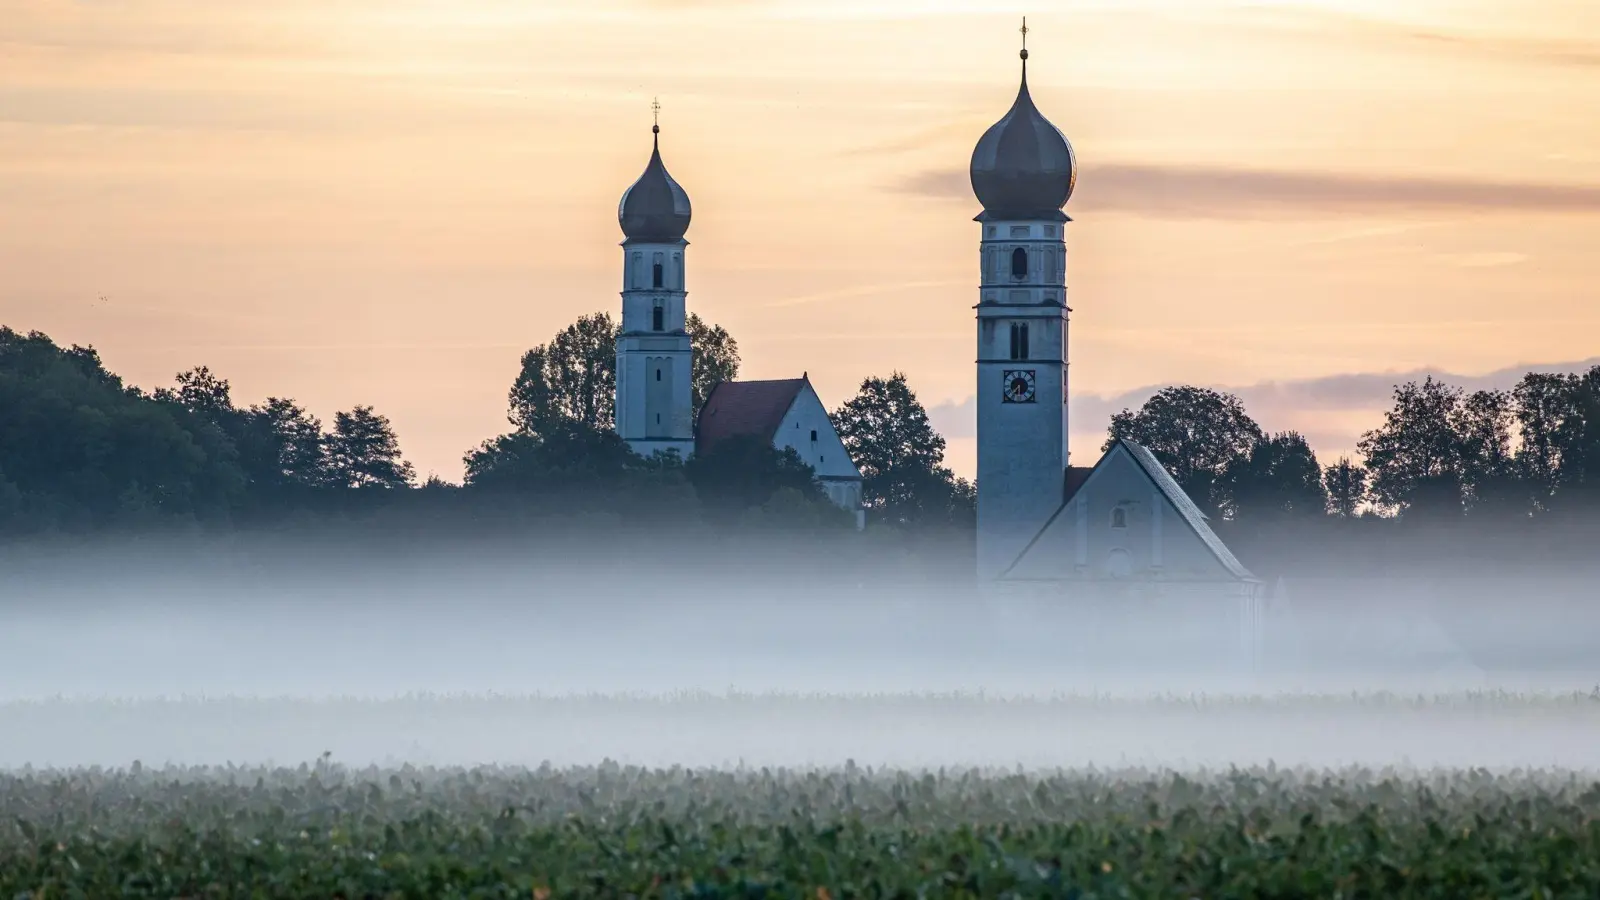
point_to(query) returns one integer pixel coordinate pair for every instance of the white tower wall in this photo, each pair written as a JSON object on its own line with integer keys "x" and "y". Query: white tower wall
{"x": 655, "y": 399}
{"x": 1021, "y": 385}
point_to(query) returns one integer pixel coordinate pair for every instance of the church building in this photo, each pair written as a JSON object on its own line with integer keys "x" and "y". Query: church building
{"x": 655, "y": 391}
{"x": 1122, "y": 527}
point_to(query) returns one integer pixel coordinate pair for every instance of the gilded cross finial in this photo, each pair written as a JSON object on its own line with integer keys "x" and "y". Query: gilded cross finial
{"x": 1024, "y": 30}
{"x": 655, "y": 111}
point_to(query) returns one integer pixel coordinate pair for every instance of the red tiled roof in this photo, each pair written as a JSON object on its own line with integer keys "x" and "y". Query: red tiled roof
{"x": 745, "y": 407}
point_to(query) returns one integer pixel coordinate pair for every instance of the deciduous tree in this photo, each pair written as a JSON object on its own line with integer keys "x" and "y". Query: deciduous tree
{"x": 1197, "y": 433}
{"x": 363, "y": 451}
{"x": 900, "y": 456}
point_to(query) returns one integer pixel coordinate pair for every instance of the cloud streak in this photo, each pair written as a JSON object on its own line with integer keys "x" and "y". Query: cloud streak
{"x": 1209, "y": 192}
{"x": 1314, "y": 406}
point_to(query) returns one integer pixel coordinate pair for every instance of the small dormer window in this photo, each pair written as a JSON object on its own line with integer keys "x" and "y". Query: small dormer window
{"x": 1019, "y": 263}
{"x": 1119, "y": 518}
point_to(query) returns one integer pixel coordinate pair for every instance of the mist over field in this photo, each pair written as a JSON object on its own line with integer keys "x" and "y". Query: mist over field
{"x": 767, "y": 658}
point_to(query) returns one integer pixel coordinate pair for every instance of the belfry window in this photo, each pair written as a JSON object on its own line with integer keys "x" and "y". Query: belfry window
{"x": 658, "y": 276}
{"x": 1019, "y": 263}
{"x": 1019, "y": 340}
{"x": 1119, "y": 518}
{"x": 658, "y": 316}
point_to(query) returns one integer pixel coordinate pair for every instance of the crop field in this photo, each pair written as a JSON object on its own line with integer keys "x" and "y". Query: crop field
{"x": 324, "y": 830}
{"x": 805, "y": 796}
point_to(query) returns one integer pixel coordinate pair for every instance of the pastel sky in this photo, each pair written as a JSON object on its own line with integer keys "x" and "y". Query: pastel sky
{"x": 387, "y": 201}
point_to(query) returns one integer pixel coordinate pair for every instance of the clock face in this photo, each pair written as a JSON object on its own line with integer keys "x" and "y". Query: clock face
{"x": 1018, "y": 385}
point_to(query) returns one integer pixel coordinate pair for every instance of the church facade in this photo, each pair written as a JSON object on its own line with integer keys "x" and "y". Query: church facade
{"x": 655, "y": 356}
{"x": 1122, "y": 528}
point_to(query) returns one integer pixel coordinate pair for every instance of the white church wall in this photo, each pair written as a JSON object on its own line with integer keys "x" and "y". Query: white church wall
{"x": 1085, "y": 541}
{"x": 807, "y": 430}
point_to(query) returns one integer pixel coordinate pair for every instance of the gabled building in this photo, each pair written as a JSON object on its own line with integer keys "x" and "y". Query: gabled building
{"x": 1122, "y": 528}
{"x": 655, "y": 405}
{"x": 1125, "y": 522}
{"x": 786, "y": 413}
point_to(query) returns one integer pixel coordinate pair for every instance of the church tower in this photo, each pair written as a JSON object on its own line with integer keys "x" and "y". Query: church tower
{"x": 655, "y": 398}
{"x": 1023, "y": 170}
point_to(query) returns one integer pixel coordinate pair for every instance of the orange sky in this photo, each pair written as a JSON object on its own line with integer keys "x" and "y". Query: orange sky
{"x": 387, "y": 201}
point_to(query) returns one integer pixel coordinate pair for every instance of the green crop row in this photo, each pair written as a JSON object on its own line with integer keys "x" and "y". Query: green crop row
{"x": 614, "y": 831}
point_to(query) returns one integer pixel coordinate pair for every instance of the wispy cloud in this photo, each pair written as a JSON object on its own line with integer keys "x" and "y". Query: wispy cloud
{"x": 1191, "y": 192}
{"x": 1540, "y": 49}
{"x": 1319, "y": 407}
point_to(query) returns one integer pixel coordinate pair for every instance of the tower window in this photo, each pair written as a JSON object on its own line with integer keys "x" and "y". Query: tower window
{"x": 813, "y": 434}
{"x": 1119, "y": 518}
{"x": 658, "y": 378}
{"x": 1019, "y": 263}
{"x": 1019, "y": 340}
{"x": 658, "y": 317}
{"x": 658, "y": 275}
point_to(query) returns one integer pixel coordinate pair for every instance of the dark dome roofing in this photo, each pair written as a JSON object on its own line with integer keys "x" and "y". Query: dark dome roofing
{"x": 1023, "y": 166}
{"x": 654, "y": 208}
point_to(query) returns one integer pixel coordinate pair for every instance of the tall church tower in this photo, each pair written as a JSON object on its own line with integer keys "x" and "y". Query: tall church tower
{"x": 1023, "y": 170}
{"x": 655, "y": 399}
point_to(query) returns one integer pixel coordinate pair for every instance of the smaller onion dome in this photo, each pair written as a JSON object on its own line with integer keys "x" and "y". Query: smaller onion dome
{"x": 655, "y": 208}
{"x": 1023, "y": 166}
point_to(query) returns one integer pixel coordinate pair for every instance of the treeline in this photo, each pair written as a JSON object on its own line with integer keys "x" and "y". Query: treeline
{"x": 82, "y": 453}
{"x": 1485, "y": 475}
{"x": 1490, "y": 476}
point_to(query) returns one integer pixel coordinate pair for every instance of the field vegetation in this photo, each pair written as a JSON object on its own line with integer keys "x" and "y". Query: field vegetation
{"x": 324, "y": 830}
{"x": 334, "y": 829}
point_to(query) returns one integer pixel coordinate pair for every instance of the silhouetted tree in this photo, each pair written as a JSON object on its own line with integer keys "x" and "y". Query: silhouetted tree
{"x": 79, "y": 450}
{"x": 715, "y": 358}
{"x": 363, "y": 451}
{"x": 562, "y": 455}
{"x": 1558, "y": 429}
{"x": 900, "y": 456}
{"x": 1439, "y": 449}
{"x": 742, "y": 472}
{"x": 1346, "y": 484}
{"x": 299, "y": 445}
{"x": 1197, "y": 433}
{"x": 1279, "y": 476}
{"x": 574, "y": 377}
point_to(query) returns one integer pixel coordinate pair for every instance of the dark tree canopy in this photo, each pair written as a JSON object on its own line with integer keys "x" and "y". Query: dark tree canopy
{"x": 80, "y": 450}
{"x": 901, "y": 458}
{"x": 744, "y": 471}
{"x": 715, "y": 358}
{"x": 1197, "y": 433}
{"x": 1279, "y": 476}
{"x": 573, "y": 379}
{"x": 1346, "y": 484}
{"x": 1439, "y": 449}
{"x": 363, "y": 451}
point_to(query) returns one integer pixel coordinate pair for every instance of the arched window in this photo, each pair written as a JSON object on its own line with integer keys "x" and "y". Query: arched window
{"x": 658, "y": 316}
{"x": 1118, "y": 564}
{"x": 1019, "y": 263}
{"x": 1119, "y": 518}
{"x": 1019, "y": 340}
{"x": 813, "y": 434}
{"x": 658, "y": 378}
{"x": 658, "y": 276}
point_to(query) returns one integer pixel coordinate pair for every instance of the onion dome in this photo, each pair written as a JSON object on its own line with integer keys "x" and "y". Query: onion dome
{"x": 655, "y": 208}
{"x": 1023, "y": 166}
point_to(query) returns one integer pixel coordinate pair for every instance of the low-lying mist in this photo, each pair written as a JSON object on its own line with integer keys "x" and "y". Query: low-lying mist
{"x": 303, "y": 649}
